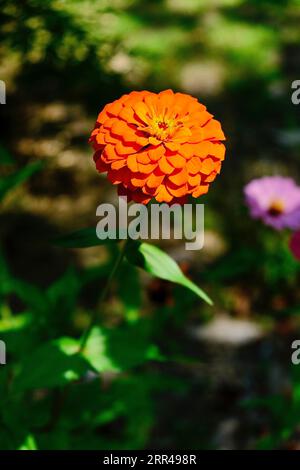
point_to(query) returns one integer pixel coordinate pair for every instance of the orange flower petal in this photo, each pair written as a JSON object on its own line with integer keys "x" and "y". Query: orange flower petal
{"x": 154, "y": 141}
{"x": 140, "y": 180}
{"x": 122, "y": 149}
{"x": 194, "y": 180}
{"x": 109, "y": 154}
{"x": 177, "y": 191}
{"x": 165, "y": 166}
{"x": 132, "y": 163}
{"x": 197, "y": 135}
{"x": 128, "y": 115}
{"x": 200, "y": 190}
{"x": 142, "y": 111}
{"x": 194, "y": 165}
{"x": 172, "y": 146}
{"x": 148, "y": 168}
{"x": 143, "y": 157}
{"x": 114, "y": 108}
{"x": 180, "y": 177}
{"x": 120, "y": 127}
{"x": 165, "y": 145}
{"x": 213, "y": 131}
{"x": 188, "y": 150}
{"x": 210, "y": 178}
{"x": 207, "y": 166}
{"x": 177, "y": 161}
{"x": 155, "y": 180}
{"x": 163, "y": 195}
{"x": 100, "y": 138}
{"x": 155, "y": 153}
{"x": 102, "y": 117}
{"x": 118, "y": 164}
{"x": 109, "y": 139}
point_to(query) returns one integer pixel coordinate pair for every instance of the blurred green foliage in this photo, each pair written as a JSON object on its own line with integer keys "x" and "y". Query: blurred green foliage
{"x": 140, "y": 381}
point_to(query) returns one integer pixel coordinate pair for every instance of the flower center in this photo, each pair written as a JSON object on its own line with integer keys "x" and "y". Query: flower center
{"x": 163, "y": 125}
{"x": 276, "y": 208}
{"x": 163, "y": 128}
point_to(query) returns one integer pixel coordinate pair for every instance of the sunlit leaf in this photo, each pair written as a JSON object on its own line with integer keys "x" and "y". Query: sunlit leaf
{"x": 160, "y": 264}
{"x": 117, "y": 349}
{"x": 54, "y": 364}
{"x": 29, "y": 443}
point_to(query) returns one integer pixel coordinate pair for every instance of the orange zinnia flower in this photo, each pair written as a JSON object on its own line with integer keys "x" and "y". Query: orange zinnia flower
{"x": 163, "y": 146}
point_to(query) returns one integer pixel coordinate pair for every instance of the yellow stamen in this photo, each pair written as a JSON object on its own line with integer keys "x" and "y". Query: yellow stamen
{"x": 276, "y": 208}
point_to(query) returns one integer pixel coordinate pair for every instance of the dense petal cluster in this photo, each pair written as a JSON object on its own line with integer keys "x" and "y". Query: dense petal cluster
{"x": 275, "y": 200}
{"x": 163, "y": 146}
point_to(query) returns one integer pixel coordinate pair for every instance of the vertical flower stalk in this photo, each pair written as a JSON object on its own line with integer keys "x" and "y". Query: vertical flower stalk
{"x": 164, "y": 147}
{"x": 104, "y": 293}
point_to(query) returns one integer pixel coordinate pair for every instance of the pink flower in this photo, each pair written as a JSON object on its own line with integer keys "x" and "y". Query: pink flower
{"x": 275, "y": 200}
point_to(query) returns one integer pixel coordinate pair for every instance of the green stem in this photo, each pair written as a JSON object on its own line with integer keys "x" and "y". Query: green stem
{"x": 104, "y": 293}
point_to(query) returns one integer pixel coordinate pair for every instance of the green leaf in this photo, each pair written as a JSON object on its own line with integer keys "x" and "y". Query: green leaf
{"x": 160, "y": 264}
{"x": 83, "y": 238}
{"x": 31, "y": 295}
{"x": 18, "y": 332}
{"x": 15, "y": 322}
{"x": 62, "y": 294}
{"x": 11, "y": 181}
{"x": 118, "y": 349}
{"x": 129, "y": 290}
{"x": 53, "y": 364}
{"x": 29, "y": 443}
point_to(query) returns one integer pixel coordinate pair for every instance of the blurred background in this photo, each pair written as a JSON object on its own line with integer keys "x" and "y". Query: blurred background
{"x": 223, "y": 377}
